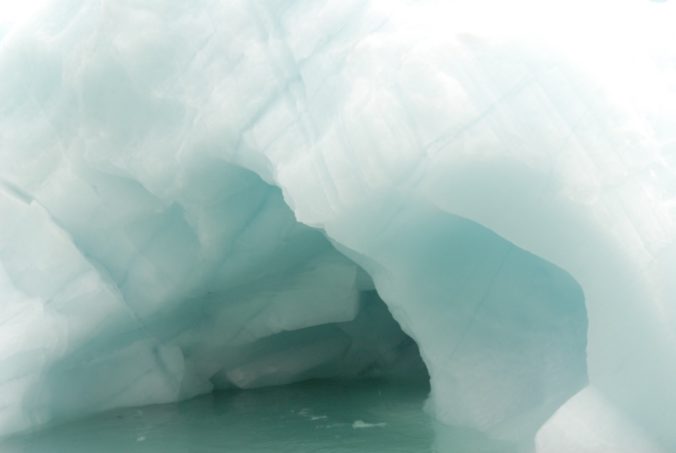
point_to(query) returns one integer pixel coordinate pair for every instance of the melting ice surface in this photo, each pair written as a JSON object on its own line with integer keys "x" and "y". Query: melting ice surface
{"x": 227, "y": 196}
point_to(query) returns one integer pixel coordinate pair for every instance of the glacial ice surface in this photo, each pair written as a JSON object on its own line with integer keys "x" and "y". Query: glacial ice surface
{"x": 199, "y": 195}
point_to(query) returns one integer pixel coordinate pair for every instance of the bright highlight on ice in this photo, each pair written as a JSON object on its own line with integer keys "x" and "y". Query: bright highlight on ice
{"x": 200, "y": 196}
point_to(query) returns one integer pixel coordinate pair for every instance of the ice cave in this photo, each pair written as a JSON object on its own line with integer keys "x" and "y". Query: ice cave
{"x": 338, "y": 226}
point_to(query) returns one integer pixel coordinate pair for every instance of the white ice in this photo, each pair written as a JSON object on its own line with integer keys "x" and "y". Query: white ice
{"x": 209, "y": 194}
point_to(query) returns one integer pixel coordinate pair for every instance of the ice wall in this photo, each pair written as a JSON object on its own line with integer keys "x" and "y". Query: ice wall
{"x": 478, "y": 159}
{"x": 111, "y": 297}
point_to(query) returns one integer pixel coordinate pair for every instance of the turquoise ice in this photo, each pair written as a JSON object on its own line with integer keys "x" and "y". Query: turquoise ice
{"x": 206, "y": 195}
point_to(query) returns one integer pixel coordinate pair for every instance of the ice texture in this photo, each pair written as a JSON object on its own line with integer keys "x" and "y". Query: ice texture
{"x": 210, "y": 194}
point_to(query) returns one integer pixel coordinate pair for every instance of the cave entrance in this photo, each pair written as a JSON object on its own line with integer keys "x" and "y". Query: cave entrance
{"x": 231, "y": 293}
{"x": 280, "y": 304}
{"x": 371, "y": 345}
{"x": 502, "y": 332}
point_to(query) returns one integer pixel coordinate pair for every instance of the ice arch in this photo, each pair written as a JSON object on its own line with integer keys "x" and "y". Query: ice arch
{"x": 221, "y": 287}
{"x": 561, "y": 144}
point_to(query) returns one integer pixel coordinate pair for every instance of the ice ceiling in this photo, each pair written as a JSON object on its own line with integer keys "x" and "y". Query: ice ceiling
{"x": 204, "y": 194}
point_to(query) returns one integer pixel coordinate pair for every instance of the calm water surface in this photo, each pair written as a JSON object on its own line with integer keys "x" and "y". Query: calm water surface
{"x": 316, "y": 416}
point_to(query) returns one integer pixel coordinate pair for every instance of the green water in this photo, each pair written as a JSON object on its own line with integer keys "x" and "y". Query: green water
{"x": 315, "y": 416}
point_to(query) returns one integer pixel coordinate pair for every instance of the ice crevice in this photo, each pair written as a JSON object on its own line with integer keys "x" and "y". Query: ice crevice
{"x": 240, "y": 194}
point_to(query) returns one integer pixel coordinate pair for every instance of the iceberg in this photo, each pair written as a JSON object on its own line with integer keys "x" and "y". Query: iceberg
{"x": 207, "y": 195}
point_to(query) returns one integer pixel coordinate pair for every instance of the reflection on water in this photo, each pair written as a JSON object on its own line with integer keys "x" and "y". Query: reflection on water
{"x": 316, "y": 416}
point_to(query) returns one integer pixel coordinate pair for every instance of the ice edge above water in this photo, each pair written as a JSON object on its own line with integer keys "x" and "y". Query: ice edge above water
{"x": 478, "y": 176}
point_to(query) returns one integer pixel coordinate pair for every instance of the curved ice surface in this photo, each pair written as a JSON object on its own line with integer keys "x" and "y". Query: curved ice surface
{"x": 504, "y": 173}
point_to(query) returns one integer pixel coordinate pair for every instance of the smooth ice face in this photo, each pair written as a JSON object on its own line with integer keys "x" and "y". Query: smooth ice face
{"x": 503, "y": 333}
{"x": 213, "y": 194}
